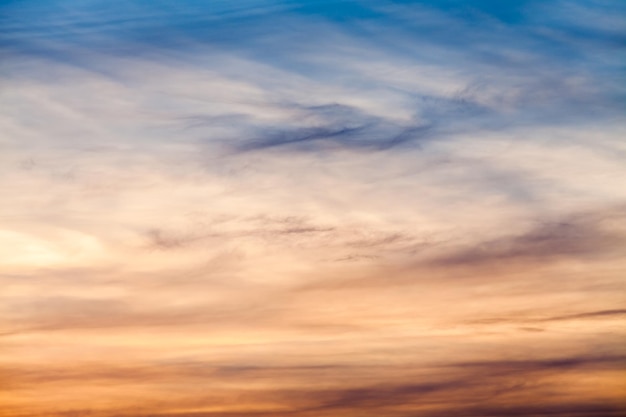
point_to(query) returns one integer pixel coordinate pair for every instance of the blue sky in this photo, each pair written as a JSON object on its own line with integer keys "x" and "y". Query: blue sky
{"x": 312, "y": 208}
{"x": 549, "y": 62}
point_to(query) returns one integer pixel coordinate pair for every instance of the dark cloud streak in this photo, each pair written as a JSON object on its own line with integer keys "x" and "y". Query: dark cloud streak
{"x": 579, "y": 236}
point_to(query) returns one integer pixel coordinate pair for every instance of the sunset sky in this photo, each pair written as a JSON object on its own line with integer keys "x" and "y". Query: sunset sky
{"x": 312, "y": 208}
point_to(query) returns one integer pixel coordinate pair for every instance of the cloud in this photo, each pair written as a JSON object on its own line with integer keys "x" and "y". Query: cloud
{"x": 575, "y": 237}
{"x": 483, "y": 387}
{"x": 310, "y": 209}
{"x": 589, "y": 315}
{"x": 522, "y": 77}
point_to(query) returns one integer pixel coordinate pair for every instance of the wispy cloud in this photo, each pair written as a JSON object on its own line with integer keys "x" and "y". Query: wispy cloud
{"x": 579, "y": 236}
{"x": 304, "y": 208}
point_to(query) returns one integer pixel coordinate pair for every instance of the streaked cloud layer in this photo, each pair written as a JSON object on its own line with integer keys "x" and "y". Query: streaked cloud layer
{"x": 312, "y": 208}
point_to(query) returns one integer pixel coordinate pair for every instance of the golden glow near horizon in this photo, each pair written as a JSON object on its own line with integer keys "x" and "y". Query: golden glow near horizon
{"x": 204, "y": 233}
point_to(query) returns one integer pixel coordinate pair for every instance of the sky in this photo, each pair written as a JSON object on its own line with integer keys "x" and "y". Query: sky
{"x": 312, "y": 208}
